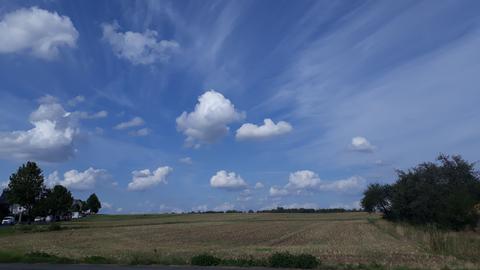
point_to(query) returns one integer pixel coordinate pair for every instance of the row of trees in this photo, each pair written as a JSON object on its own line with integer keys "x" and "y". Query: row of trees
{"x": 27, "y": 189}
{"x": 445, "y": 194}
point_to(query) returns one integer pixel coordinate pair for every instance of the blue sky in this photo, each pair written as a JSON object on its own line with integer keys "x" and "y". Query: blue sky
{"x": 164, "y": 106}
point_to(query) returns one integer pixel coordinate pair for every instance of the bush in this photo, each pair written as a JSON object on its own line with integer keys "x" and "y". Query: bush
{"x": 443, "y": 194}
{"x": 306, "y": 261}
{"x": 97, "y": 260}
{"x": 287, "y": 260}
{"x": 54, "y": 227}
{"x": 205, "y": 260}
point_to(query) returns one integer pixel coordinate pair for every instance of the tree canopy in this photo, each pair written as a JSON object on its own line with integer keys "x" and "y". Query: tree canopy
{"x": 443, "y": 193}
{"x": 93, "y": 203}
{"x": 26, "y": 186}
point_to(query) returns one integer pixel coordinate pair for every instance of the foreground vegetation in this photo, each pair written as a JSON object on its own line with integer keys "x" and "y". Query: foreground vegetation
{"x": 445, "y": 194}
{"x": 342, "y": 240}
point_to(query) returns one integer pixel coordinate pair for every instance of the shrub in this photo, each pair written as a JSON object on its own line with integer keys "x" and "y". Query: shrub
{"x": 97, "y": 260}
{"x": 42, "y": 257}
{"x": 287, "y": 260}
{"x": 205, "y": 260}
{"x": 54, "y": 227}
{"x": 306, "y": 261}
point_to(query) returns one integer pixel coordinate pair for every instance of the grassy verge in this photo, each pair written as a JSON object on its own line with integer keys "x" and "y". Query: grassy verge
{"x": 277, "y": 260}
{"x": 462, "y": 245}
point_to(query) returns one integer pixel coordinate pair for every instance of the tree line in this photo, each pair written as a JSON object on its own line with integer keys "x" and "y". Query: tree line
{"x": 445, "y": 194}
{"x": 27, "y": 189}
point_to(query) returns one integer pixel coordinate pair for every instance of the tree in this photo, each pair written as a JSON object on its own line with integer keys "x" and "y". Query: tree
{"x": 93, "y": 203}
{"x": 26, "y": 186}
{"x": 443, "y": 194}
{"x": 377, "y": 197}
{"x": 59, "y": 200}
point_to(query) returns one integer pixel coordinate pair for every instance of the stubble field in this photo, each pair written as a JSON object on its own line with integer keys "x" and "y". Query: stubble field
{"x": 346, "y": 238}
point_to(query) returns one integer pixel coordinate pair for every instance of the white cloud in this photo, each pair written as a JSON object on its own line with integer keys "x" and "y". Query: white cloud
{"x": 37, "y": 31}
{"x": 4, "y": 184}
{"x": 119, "y": 210}
{"x": 134, "y": 122}
{"x": 258, "y": 185}
{"x": 354, "y": 205}
{"x": 306, "y": 180}
{"x": 76, "y": 100}
{"x": 138, "y": 48}
{"x": 227, "y": 180}
{"x": 140, "y": 133}
{"x": 208, "y": 122}
{"x": 350, "y": 184}
{"x": 76, "y": 180}
{"x": 144, "y": 179}
{"x": 186, "y": 160}
{"x": 303, "y": 180}
{"x": 276, "y": 191}
{"x": 224, "y": 207}
{"x": 361, "y": 144}
{"x": 106, "y": 205}
{"x": 268, "y": 129}
{"x": 201, "y": 208}
{"x": 51, "y": 138}
{"x": 86, "y": 115}
{"x": 301, "y": 205}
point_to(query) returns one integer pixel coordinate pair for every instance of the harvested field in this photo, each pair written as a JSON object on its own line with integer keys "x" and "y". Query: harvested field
{"x": 350, "y": 238}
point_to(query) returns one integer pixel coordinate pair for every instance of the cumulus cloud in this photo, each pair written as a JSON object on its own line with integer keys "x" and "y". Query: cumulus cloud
{"x": 258, "y": 185}
{"x": 306, "y": 180}
{"x": 343, "y": 185}
{"x": 145, "y": 179}
{"x": 138, "y": 48}
{"x": 186, "y": 160}
{"x": 268, "y": 129}
{"x": 353, "y": 205}
{"x": 361, "y": 144}
{"x": 200, "y": 208}
{"x": 224, "y": 207}
{"x": 86, "y": 115}
{"x": 303, "y": 180}
{"x": 37, "y": 31}
{"x": 276, "y": 191}
{"x": 76, "y": 180}
{"x": 208, "y": 122}
{"x": 76, "y": 100}
{"x": 227, "y": 180}
{"x": 51, "y": 138}
{"x": 106, "y": 205}
{"x": 140, "y": 133}
{"x": 134, "y": 122}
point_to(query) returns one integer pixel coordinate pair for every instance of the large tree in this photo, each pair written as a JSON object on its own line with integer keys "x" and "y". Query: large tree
{"x": 93, "y": 203}
{"x": 26, "y": 186}
{"x": 59, "y": 200}
{"x": 443, "y": 194}
{"x": 377, "y": 197}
